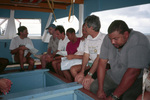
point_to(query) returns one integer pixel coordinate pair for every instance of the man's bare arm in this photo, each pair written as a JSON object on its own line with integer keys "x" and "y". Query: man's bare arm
{"x": 101, "y": 72}
{"x": 69, "y": 57}
{"x": 84, "y": 61}
{"x": 17, "y": 49}
{"x": 128, "y": 79}
{"x": 95, "y": 64}
{"x": 49, "y": 51}
{"x": 101, "y": 75}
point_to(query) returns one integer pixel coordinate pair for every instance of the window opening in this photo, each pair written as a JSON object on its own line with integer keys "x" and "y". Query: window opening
{"x": 137, "y": 17}
{"x": 73, "y": 23}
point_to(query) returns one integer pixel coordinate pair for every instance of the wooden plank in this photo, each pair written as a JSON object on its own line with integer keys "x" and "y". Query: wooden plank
{"x": 4, "y": 1}
{"x": 89, "y": 93}
{"x": 40, "y": 5}
{"x": 25, "y": 8}
{"x": 60, "y": 1}
{"x": 69, "y": 1}
{"x": 56, "y": 6}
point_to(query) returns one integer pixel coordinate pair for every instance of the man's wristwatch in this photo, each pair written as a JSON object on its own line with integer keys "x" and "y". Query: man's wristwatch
{"x": 89, "y": 73}
{"x": 114, "y": 97}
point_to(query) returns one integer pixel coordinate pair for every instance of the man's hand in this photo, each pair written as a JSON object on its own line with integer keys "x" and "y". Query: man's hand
{"x": 87, "y": 82}
{"x": 79, "y": 77}
{"x": 69, "y": 57}
{"x": 5, "y": 85}
{"x": 23, "y": 47}
{"x": 48, "y": 58}
{"x": 101, "y": 94}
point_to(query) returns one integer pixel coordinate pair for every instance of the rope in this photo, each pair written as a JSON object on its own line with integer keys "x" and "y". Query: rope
{"x": 71, "y": 8}
{"x": 51, "y": 7}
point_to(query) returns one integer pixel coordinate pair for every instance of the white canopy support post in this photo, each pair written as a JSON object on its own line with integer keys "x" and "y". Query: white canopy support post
{"x": 11, "y": 27}
{"x": 81, "y": 16}
{"x": 46, "y": 37}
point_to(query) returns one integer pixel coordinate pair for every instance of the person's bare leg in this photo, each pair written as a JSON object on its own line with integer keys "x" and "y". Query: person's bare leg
{"x": 59, "y": 68}
{"x": 68, "y": 75}
{"x": 88, "y": 84}
{"x": 46, "y": 58}
{"x": 43, "y": 62}
{"x": 54, "y": 64}
{"x": 21, "y": 58}
{"x": 30, "y": 61}
{"x": 75, "y": 70}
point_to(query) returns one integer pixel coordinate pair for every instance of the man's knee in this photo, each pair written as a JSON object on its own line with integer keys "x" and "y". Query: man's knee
{"x": 21, "y": 52}
{"x": 75, "y": 69}
{"x": 72, "y": 69}
{"x": 42, "y": 57}
{"x": 53, "y": 63}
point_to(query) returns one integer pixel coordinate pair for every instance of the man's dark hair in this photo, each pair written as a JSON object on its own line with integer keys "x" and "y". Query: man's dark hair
{"x": 118, "y": 25}
{"x": 70, "y": 30}
{"x": 60, "y": 28}
{"x": 21, "y": 29}
{"x": 93, "y": 21}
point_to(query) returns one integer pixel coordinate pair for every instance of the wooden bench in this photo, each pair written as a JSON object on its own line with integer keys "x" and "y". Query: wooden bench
{"x": 18, "y": 65}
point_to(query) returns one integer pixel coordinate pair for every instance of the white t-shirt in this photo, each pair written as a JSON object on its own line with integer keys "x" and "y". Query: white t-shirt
{"x": 93, "y": 45}
{"x": 63, "y": 44}
{"x": 16, "y": 41}
{"x": 80, "y": 49}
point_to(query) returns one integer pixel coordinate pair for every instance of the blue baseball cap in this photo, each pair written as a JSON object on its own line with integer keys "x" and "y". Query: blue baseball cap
{"x": 51, "y": 25}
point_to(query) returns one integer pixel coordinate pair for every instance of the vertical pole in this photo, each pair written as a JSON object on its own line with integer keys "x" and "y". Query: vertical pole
{"x": 45, "y": 36}
{"x": 81, "y": 16}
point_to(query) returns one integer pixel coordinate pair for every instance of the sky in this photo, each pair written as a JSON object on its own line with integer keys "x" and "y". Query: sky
{"x": 72, "y": 23}
{"x": 137, "y": 17}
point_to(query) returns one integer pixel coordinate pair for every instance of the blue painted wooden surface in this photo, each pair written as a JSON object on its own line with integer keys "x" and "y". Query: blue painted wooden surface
{"x": 41, "y": 85}
{"x": 57, "y": 92}
{"x": 26, "y": 80}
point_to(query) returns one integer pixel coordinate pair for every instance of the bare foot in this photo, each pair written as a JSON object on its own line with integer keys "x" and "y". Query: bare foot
{"x": 87, "y": 85}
